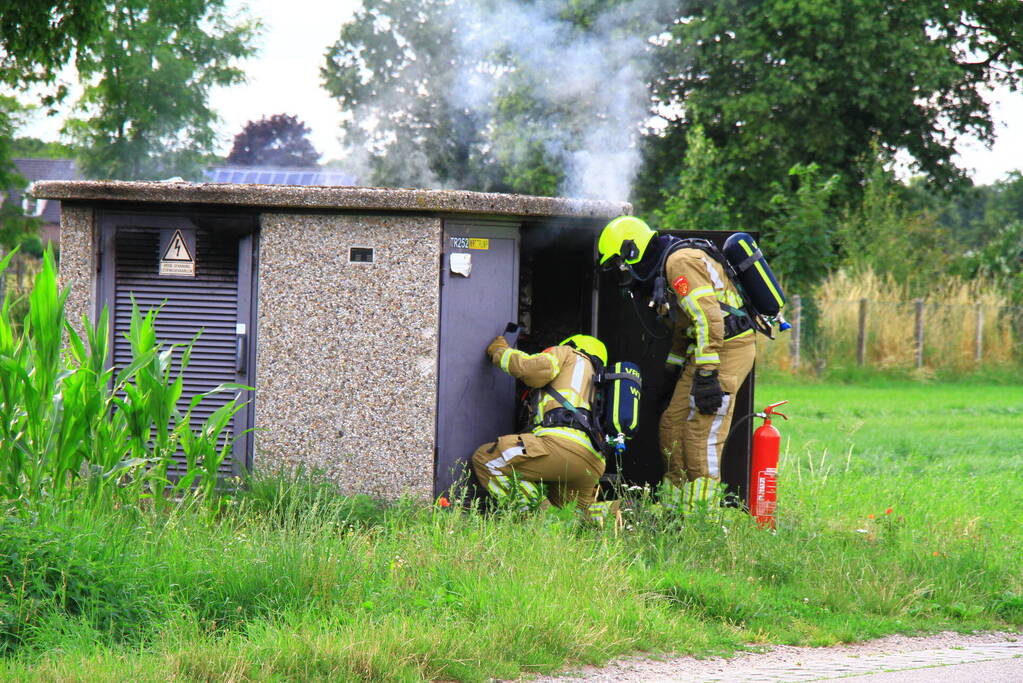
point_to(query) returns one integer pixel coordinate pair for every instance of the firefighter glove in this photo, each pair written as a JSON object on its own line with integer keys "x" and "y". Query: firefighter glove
{"x": 707, "y": 394}
{"x": 497, "y": 346}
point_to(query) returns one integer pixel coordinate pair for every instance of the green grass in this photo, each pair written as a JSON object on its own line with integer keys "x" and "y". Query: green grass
{"x": 290, "y": 582}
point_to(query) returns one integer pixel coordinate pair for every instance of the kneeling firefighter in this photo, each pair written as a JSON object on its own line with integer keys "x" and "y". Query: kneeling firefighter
{"x": 713, "y": 345}
{"x": 560, "y": 450}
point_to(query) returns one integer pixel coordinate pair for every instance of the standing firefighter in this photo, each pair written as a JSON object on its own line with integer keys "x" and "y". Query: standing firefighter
{"x": 712, "y": 353}
{"x": 557, "y": 457}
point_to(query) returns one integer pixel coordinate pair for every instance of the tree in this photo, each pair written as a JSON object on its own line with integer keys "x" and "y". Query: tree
{"x": 14, "y": 225}
{"x": 886, "y": 235}
{"x": 801, "y": 225}
{"x": 34, "y": 148}
{"x": 38, "y": 38}
{"x": 782, "y": 82}
{"x": 392, "y": 68}
{"x": 700, "y": 199}
{"x": 145, "y": 110}
{"x": 276, "y": 141}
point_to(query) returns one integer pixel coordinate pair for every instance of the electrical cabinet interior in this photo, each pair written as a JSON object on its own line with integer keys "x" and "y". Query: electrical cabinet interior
{"x": 562, "y": 293}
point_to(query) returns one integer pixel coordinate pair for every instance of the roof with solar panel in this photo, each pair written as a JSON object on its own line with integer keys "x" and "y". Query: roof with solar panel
{"x": 263, "y": 175}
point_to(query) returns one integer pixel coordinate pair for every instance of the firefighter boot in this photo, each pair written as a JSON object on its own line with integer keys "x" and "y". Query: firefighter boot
{"x": 604, "y": 513}
{"x": 516, "y": 494}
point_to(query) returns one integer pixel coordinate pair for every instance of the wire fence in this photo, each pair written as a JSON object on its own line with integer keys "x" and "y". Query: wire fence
{"x": 916, "y": 334}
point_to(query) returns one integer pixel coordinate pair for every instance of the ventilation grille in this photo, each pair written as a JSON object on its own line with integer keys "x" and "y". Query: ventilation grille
{"x": 207, "y": 303}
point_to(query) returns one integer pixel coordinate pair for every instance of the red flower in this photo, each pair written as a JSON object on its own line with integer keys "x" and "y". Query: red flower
{"x": 443, "y": 502}
{"x": 888, "y": 511}
{"x": 870, "y": 516}
{"x": 935, "y": 553}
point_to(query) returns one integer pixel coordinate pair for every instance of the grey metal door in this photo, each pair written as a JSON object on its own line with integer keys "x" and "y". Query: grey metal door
{"x": 479, "y": 296}
{"x": 200, "y": 275}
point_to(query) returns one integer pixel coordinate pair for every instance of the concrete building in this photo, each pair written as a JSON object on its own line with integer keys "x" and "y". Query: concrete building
{"x": 360, "y": 315}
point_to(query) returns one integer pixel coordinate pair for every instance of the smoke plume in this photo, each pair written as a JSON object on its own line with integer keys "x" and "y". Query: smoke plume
{"x": 589, "y": 86}
{"x": 522, "y": 81}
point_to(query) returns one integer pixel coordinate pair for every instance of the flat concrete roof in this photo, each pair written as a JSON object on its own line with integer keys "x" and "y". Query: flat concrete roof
{"x": 321, "y": 197}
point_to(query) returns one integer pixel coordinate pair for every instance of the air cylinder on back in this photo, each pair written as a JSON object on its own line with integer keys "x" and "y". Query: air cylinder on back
{"x": 755, "y": 276}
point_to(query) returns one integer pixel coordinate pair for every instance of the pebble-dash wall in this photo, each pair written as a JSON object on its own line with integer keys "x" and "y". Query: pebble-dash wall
{"x": 77, "y": 264}
{"x": 346, "y": 365}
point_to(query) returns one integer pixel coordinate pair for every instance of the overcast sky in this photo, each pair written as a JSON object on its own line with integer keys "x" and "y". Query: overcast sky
{"x": 284, "y": 77}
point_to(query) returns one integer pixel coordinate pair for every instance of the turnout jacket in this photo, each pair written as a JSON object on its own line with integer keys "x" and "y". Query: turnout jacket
{"x": 701, "y": 286}
{"x": 565, "y": 369}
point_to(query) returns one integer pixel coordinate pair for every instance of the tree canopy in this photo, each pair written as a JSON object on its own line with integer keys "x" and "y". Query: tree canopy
{"x": 145, "y": 110}
{"x": 37, "y": 38}
{"x": 782, "y": 82}
{"x": 276, "y": 141}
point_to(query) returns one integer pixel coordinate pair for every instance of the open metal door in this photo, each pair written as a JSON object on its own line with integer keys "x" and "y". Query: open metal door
{"x": 479, "y": 296}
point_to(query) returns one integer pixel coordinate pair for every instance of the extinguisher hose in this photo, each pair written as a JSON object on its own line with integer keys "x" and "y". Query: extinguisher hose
{"x": 735, "y": 426}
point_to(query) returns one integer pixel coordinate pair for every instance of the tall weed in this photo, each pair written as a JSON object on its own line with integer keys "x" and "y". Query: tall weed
{"x": 952, "y": 312}
{"x": 71, "y": 427}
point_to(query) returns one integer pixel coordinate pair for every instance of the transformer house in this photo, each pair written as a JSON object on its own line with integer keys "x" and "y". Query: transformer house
{"x": 360, "y": 315}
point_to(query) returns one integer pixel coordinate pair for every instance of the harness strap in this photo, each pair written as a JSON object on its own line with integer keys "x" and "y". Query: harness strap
{"x": 748, "y": 262}
{"x": 624, "y": 375}
{"x": 571, "y": 416}
{"x": 579, "y": 413}
{"x": 736, "y": 325}
{"x": 562, "y": 417}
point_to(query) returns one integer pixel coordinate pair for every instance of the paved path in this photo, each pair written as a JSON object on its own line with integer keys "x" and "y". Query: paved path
{"x": 941, "y": 658}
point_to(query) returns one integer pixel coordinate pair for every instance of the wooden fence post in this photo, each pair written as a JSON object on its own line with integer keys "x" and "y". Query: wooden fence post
{"x": 919, "y": 332}
{"x": 861, "y": 340}
{"x": 797, "y": 320}
{"x": 978, "y": 340}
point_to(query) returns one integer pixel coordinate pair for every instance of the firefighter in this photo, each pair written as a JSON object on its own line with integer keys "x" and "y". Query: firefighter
{"x": 557, "y": 459}
{"x": 712, "y": 351}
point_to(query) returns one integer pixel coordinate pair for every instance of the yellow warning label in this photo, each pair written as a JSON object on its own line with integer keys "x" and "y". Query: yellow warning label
{"x": 470, "y": 243}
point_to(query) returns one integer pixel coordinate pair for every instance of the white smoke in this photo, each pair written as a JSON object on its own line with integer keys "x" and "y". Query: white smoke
{"x": 591, "y": 84}
{"x": 583, "y": 93}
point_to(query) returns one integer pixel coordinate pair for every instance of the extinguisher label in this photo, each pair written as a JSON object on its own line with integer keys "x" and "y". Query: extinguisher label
{"x": 767, "y": 492}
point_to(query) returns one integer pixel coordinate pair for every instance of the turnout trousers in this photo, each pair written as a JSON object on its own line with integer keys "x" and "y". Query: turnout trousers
{"x": 512, "y": 466}
{"x": 693, "y": 443}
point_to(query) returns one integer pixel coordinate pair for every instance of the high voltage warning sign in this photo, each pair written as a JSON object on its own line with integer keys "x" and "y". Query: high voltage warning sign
{"x": 177, "y": 259}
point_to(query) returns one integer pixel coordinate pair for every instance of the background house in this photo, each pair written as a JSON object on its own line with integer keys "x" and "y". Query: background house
{"x": 45, "y": 209}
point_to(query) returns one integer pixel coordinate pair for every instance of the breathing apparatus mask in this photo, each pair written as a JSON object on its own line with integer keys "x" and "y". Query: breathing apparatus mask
{"x": 642, "y": 282}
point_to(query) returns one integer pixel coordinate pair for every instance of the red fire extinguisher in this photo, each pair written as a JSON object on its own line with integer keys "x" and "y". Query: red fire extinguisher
{"x": 763, "y": 490}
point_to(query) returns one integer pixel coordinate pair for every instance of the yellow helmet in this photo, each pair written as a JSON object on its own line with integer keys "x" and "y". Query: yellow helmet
{"x": 625, "y": 236}
{"x": 590, "y": 345}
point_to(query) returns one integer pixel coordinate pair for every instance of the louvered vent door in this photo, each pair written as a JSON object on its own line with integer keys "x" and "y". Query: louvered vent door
{"x": 210, "y": 304}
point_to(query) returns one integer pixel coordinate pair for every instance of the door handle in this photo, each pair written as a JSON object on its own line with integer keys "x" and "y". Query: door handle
{"x": 240, "y": 349}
